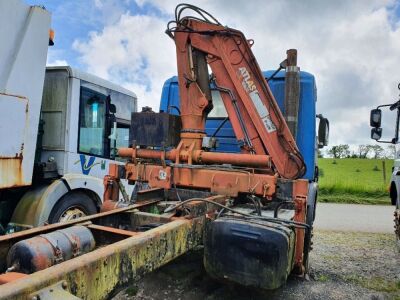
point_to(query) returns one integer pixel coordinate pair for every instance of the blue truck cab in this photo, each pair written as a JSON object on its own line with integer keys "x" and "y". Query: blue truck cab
{"x": 306, "y": 132}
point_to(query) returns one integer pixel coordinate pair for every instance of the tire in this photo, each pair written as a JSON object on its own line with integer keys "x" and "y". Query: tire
{"x": 397, "y": 226}
{"x": 72, "y": 201}
{"x": 393, "y": 193}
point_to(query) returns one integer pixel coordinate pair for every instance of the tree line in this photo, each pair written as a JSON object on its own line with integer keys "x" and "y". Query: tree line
{"x": 363, "y": 151}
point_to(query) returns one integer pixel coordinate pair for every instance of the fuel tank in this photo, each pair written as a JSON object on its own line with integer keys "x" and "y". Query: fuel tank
{"x": 43, "y": 251}
{"x": 253, "y": 253}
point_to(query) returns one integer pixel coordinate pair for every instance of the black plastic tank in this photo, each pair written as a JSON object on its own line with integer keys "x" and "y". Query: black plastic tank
{"x": 155, "y": 129}
{"x": 45, "y": 250}
{"x": 253, "y": 253}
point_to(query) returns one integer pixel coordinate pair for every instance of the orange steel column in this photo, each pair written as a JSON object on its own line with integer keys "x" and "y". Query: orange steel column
{"x": 300, "y": 191}
{"x": 194, "y": 101}
{"x": 111, "y": 190}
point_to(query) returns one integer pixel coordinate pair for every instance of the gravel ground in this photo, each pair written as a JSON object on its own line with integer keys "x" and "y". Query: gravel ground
{"x": 344, "y": 265}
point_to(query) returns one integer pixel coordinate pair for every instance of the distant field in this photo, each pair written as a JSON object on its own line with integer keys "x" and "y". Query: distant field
{"x": 354, "y": 180}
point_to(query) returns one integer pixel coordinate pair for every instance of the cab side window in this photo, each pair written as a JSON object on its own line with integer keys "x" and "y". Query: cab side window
{"x": 92, "y": 122}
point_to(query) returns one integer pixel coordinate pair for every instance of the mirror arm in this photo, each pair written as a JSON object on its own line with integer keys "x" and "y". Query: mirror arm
{"x": 113, "y": 138}
{"x": 396, "y": 134}
{"x": 386, "y": 142}
{"x": 383, "y": 105}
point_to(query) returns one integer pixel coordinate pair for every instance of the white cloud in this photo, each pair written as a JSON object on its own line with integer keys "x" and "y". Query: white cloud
{"x": 98, "y": 3}
{"x": 57, "y": 62}
{"x": 352, "y": 48}
{"x": 133, "y": 52}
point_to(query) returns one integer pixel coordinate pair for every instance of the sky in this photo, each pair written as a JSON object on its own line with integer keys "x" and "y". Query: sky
{"x": 351, "y": 47}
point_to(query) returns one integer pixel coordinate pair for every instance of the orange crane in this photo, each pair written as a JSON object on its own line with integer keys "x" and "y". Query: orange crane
{"x": 270, "y": 159}
{"x": 251, "y": 211}
{"x": 251, "y": 107}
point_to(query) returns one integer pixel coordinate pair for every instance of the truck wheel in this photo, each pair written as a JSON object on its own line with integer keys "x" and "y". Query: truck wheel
{"x": 397, "y": 227}
{"x": 72, "y": 206}
{"x": 393, "y": 193}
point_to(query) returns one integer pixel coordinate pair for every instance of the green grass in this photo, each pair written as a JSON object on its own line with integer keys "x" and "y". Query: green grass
{"x": 354, "y": 180}
{"x": 376, "y": 283}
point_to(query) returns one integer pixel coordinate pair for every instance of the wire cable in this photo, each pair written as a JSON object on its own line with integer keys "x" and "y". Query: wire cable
{"x": 272, "y": 220}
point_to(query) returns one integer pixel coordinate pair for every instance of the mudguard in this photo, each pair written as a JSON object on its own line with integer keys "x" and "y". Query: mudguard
{"x": 35, "y": 206}
{"x": 312, "y": 198}
{"x": 395, "y": 180}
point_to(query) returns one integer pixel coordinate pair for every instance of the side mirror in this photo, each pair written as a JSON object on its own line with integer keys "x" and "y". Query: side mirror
{"x": 375, "y": 118}
{"x": 323, "y": 132}
{"x": 113, "y": 109}
{"x": 376, "y": 133}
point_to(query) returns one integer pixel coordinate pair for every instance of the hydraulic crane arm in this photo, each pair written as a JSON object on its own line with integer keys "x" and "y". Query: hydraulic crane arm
{"x": 183, "y": 196}
{"x": 255, "y": 116}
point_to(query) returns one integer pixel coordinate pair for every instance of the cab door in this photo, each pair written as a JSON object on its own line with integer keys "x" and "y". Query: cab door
{"x": 101, "y": 131}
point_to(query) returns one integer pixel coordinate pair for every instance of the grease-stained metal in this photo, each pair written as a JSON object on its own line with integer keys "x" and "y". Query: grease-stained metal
{"x": 123, "y": 251}
{"x": 7, "y": 241}
{"x": 57, "y": 291}
{"x": 102, "y": 272}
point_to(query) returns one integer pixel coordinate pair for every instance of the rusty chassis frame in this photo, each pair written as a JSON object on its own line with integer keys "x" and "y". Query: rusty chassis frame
{"x": 121, "y": 255}
{"x": 228, "y": 183}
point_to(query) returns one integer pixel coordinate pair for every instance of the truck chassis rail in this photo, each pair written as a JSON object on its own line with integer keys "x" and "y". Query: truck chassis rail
{"x": 121, "y": 255}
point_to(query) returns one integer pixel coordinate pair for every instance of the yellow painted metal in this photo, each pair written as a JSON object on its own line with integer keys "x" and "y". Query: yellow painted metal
{"x": 101, "y": 273}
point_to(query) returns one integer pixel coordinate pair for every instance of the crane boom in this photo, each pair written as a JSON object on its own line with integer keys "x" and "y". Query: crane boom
{"x": 255, "y": 116}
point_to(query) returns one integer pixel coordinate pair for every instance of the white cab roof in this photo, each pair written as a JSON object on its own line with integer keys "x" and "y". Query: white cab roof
{"x": 75, "y": 73}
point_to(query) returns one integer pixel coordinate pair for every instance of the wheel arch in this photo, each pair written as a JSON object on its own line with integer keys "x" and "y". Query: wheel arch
{"x": 310, "y": 217}
{"x": 93, "y": 196}
{"x": 312, "y": 196}
{"x": 35, "y": 206}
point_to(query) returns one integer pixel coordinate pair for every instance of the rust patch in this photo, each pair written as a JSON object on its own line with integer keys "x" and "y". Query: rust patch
{"x": 11, "y": 276}
{"x": 16, "y": 96}
{"x": 39, "y": 260}
{"x": 7, "y": 241}
{"x": 98, "y": 274}
{"x": 11, "y": 172}
{"x": 113, "y": 230}
{"x": 109, "y": 205}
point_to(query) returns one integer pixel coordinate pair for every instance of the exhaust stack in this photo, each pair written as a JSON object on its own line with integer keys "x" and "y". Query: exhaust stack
{"x": 292, "y": 91}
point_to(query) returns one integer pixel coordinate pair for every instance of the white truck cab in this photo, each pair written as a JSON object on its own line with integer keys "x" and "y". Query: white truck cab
{"x": 376, "y": 134}
{"x": 395, "y": 193}
{"x": 395, "y": 179}
{"x": 84, "y": 119}
{"x": 59, "y": 127}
